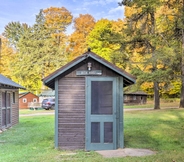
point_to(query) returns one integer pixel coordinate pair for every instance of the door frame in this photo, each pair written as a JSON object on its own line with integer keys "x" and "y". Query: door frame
{"x": 89, "y": 146}
{"x": 6, "y": 108}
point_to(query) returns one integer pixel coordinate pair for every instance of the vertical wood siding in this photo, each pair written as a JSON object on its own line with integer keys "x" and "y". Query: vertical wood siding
{"x": 71, "y": 113}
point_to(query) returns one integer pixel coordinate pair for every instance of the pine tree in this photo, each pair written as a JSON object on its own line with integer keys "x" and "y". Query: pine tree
{"x": 144, "y": 38}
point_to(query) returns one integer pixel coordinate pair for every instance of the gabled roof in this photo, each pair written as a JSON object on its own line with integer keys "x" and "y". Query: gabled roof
{"x": 25, "y": 93}
{"x": 50, "y": 80}
{"x": 136, "y": 93}
{"x": 5, "y": 82}
{"x": 22, "y": 94}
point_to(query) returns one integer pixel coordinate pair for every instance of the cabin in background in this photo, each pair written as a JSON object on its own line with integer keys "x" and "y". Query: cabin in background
{"x": 26, "y": 99}
{"x": 133, "y": 98}
{"x": 9, "y": 102}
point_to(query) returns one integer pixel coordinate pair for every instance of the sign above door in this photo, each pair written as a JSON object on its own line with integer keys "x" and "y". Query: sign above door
{"x": 87, "y": 72}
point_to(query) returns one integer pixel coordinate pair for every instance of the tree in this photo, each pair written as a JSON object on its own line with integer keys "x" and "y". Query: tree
{"x": 98, "y": 39}
{"x": 179, "y": 36}
{"x": 182, "y": 57}
{"x": 57, "y": 19}
{"x": 39, "y": 55}
{"x": 173, "y": 17}
{"x": 83, "y": 25}
{"x": 116, "y": 38}
{"x": 14, "y": 31}
{"x": 7, "y": 55}
{"x": 146, "y": 40}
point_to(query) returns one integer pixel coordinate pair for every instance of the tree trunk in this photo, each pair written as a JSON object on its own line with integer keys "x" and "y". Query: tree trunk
{"x": 182, "y": 64}
{"x": 182, "y": 90}
{"x": 182, "y": 73}
{"x": 154, "y": 64}
{"x": 156, "y": 96}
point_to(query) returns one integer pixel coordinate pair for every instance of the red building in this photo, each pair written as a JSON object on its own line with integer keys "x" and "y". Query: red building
{"x": 26, "y": 98}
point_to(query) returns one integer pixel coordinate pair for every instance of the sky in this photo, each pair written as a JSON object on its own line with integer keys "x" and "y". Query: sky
{"x": 25, "y": 11}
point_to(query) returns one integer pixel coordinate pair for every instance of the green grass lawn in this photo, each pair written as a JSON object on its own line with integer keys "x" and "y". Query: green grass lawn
{"x": 28, "y": 111}
{"x": 159, "y": 130}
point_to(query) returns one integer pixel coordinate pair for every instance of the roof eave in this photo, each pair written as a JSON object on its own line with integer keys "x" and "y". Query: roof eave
{"x": 12, "y": 87}
{"x": 50, "y": 78}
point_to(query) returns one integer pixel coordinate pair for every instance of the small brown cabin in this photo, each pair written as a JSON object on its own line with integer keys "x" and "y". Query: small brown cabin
{"x": 88, "y": 103}
{"x": 9, "y": 102}
{"x": 26, "y": 98}
{"x": 132, "y": 98}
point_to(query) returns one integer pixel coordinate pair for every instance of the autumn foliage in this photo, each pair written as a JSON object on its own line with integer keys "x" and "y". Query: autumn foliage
{"x": 147, "y": 43}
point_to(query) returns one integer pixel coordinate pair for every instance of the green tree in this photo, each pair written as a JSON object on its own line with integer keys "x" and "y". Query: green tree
{"x": 179, "y": 38}
{"x": 172, "y": 15}
{"x": 14, "y": 31}
{"x": 98, "y": 38}
{"x": 39, "y": 54}
{"x": 143, "y": 37}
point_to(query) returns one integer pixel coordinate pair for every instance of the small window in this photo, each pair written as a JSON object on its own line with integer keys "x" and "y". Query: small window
{"x": 13, "y": 97}
{"x": 24, "y": 100}
{"x": 34, "y": 100}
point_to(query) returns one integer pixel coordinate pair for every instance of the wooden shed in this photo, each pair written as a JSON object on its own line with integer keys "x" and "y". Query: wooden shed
{"x": 89, "y": 105}
{"x": 46, "y": 94}
{"x": 132, "y": 98}
{"x": 26, "y": 98}
{"x": 9, "y": 102}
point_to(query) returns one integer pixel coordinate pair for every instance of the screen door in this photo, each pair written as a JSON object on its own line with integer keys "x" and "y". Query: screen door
{"x": 101, "y": 119}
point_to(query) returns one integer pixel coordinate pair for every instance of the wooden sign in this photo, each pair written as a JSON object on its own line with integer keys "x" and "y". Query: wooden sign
{"x": 86, "y": 72}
